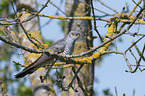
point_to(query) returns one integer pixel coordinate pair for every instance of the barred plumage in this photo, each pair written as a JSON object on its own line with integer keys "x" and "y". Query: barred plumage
{"x": 65, "y": 46}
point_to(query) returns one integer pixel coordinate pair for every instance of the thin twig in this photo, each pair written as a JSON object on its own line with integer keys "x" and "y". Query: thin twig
{"x": 129, "y": 16}
{"x": 58, "y": 8}
{"x": 70, "y": 85}
{"x": 133, "y": 54}
{"x": 108, "y": 52}
{"x": 19, "y": 46}
{"x": 38, "y": 46}
{"x": 139, "y": 51}
{"x": 138, "y": 62}
{"x": 5, "y": 33}
{"x": 127, "y": 61}
{"x": 47, "y": 73}
{"x": 13, "y": 7}
{"x": 116, "y": 91}
{"x": 115, "y": 45}
{"x": 29, "y": 19}
{"x": 108, "y": 6}
{"x": 136, "y": 3}
{"x": 79, "y": 82}
{"x": 135, "y": 8}
{"x": 106, "y": 14}
{"x": 139, "y": 65}
{"x": 134, "y": 43}
{"x": 95, "y": 28}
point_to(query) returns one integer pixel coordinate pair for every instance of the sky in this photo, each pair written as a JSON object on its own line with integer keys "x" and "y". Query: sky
{"x": 111, "y": 72}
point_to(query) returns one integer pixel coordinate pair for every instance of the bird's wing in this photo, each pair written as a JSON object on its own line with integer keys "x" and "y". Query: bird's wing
{"x": 41, "y": 61}
{"x": 44, "y": 59}
{"x": 58, "y": 46}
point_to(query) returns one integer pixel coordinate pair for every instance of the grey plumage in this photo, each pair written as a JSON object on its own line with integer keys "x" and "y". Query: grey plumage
{"x": 64, "y": 46}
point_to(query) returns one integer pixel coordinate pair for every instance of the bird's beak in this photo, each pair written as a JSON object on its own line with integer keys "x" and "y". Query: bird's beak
{"x": 78, "y": 35}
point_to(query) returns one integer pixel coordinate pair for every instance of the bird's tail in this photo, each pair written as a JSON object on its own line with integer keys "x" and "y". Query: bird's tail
{"x": 25, "y": 71}
{"x": 34, "y": 66}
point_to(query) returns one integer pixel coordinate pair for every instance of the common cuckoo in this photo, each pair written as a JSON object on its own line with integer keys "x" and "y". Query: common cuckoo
{"x": 64, "y": 46}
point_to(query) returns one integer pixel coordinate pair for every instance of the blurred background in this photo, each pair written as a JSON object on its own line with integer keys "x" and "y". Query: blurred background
{"x": 109, "y": 70}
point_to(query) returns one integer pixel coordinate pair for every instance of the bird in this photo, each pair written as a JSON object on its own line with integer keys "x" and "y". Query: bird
{"x": 63, "y": 46}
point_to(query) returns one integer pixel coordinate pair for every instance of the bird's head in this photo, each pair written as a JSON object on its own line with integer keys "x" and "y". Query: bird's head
{"x": 74, "y": 35}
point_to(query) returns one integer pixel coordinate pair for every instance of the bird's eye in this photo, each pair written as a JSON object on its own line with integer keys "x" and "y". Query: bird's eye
{"x": 77, "y": 35}
{"x": 72, "y": 34}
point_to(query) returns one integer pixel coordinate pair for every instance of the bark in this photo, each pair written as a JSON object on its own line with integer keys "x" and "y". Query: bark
{"x": 82, "y": 83}
{"x": 38, "y": 88}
